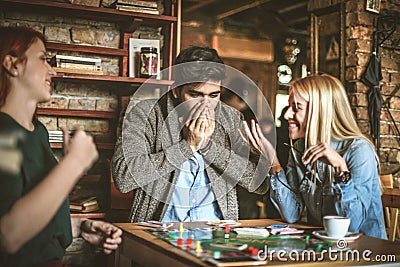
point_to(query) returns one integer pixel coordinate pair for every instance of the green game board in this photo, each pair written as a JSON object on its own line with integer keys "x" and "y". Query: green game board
{"x": 209, "y": 237}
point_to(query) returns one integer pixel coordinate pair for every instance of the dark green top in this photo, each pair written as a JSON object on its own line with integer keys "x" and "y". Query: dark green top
{"x": 38, "y": 160}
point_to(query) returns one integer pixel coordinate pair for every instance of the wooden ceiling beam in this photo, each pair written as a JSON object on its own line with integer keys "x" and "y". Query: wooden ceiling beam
{"x": 290, "y": 8}
{"x": 241, "y": 8}
{"x": 297, "y": 31}
{"x": 197, "y": 6}
{"x": 297, "y": 20}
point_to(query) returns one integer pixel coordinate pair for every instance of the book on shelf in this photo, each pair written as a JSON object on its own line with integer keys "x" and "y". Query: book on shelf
{"x": 138, "y": 9}
{"x": 75, "y": 60}
{"x": 79, "y": 71}
{"x": 78, "y": 66}
{"x": 55, "y": 136}
{"x": 135, "y": 44}
{"x": 84, "y": 204}
{"x": 141, "y": 3}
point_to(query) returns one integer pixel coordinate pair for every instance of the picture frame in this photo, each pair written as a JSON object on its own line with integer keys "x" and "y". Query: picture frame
{"x": 328, "y": 41}
{"x": 373, "y": 5}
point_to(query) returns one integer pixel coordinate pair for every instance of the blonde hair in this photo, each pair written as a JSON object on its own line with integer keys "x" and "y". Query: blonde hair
{"x": 329, "y": 113}
{"x": 329, "y": 110}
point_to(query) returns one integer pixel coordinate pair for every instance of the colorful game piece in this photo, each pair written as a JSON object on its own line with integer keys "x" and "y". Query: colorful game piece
{"x": 189, "y": 242}
{"x": 253, "y": 250}
{"x": 319, "y": 247}
{"x": 198, "y": 247}
{"x": 181, "y": 230}
{"x": 227, "y": 231}
{"x": 217, "y": 254}
{"x": 307, "y": 238}
{"x": 179, "y": 242}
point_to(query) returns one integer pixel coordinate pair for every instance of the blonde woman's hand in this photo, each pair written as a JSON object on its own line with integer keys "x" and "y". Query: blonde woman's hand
{"x": 256, "y": 139}
{"x": 325, "y": 153}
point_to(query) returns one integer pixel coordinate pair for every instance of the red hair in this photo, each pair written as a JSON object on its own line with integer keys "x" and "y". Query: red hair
{"x": 14, "y": 41}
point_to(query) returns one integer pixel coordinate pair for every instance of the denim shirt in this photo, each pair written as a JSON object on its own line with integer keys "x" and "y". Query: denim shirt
{"x": 359, "y": 199}
{"x": 193, "y": 198}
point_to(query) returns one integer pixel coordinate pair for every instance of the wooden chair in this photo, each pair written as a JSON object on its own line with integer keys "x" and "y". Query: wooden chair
{"x": 119, "y": 200}
{"x": 261, "y": 213}
{"x": 390, "y": 213}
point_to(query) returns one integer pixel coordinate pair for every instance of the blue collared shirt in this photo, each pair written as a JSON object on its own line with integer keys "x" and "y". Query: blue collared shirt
{"x": 360, "y": 199}
{"x": 193, "y": 198}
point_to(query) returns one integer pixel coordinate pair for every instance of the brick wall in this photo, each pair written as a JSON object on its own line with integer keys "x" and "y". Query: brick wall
{"x": 76, "y": 95}
{"x": 360, "y": 27}
{"x": 73, "y": 95}
{"x": 70, "y": 94}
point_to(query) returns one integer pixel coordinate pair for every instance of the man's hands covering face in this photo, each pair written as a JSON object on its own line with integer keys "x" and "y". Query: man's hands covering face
{"x": 200, "y": 125}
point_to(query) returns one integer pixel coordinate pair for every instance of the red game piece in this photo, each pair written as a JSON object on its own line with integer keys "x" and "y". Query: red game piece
{"x": 254, "y": 251}
{"x": 189, "y": 242}
{"x": 179, "y": 242}
{"x": 227, "y": 230}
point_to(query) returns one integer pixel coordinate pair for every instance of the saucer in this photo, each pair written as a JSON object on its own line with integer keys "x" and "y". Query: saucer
{"x": 350, "y": 236}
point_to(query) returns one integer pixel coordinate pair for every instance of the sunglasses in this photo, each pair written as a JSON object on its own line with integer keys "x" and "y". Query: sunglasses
{"x": 295, "y": 149}
{"x": 308, "y": 174}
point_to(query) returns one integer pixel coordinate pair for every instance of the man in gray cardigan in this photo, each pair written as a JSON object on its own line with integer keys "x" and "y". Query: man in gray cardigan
{"x": 183, "y": 154}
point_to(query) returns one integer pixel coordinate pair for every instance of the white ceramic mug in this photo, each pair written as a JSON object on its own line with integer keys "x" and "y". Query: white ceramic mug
{"x": 336, "y": 226}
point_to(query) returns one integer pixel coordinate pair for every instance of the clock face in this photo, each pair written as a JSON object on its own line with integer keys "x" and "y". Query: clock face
{"x": 284, "y": 74}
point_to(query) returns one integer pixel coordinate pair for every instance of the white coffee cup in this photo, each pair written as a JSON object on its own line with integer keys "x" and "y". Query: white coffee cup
{"x": 336, "y": 226}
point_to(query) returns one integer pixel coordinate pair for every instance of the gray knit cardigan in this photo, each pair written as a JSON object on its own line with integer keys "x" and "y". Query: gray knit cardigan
{"x": 151, "y": 149}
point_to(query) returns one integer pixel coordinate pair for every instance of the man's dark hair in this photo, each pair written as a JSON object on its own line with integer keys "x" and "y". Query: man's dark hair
{"x": 207, "y": 65}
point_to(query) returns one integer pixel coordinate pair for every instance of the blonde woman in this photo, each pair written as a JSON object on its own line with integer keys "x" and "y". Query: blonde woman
{"x": 332, "y": 167}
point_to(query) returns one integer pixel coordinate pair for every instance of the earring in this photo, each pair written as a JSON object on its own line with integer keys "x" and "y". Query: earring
{"x": 15, "y": 73}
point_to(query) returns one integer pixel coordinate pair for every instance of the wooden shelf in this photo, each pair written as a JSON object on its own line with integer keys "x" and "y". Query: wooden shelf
{"x": 119, "y": 79}
{"x": 126, "y": 19}
{"x": 87, "y": 49}
{"x": 106, "y": 146}
{"x": 77, "y": 113}
{"x": 89, "y": 215}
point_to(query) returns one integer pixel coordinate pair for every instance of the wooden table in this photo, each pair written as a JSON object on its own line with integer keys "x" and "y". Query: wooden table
{"x": 140, "y": 248}
{"x": 391, "y": 199}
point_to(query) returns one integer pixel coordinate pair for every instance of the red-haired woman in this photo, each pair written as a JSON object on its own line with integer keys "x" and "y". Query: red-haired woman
{"x": 35, "y": 225}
